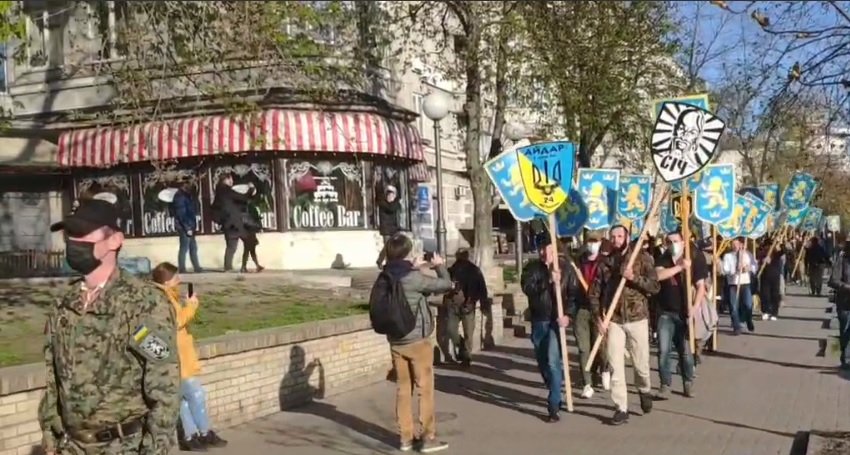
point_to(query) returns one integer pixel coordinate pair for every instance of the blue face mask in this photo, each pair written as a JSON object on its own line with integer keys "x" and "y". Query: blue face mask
{"x": 593, "y": 248}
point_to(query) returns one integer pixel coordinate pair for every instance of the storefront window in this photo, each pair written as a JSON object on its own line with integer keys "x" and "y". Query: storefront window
{"x": 114, "y": 183}
{"x": 325, "y": 194}
{"x": 261, "y": 175}
{"x": 156, "y": 193}
{"x": 384, "y": 176}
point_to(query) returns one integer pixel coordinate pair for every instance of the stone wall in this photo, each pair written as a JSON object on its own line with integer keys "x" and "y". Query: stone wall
{"x": 247, "y": 376}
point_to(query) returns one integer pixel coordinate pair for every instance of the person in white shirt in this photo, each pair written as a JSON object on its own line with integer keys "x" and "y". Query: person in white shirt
{"x": 737, "y": 266}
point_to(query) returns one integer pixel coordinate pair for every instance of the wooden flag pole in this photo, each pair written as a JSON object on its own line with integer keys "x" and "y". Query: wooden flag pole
{"x": 685, "y": 214}
{"x": 562, "y": 333}
{"x": 800, "y": 253}
{"x": 780, "y": 237}
{"x": 714, "y": 253}
{"x": 609, "y": 314}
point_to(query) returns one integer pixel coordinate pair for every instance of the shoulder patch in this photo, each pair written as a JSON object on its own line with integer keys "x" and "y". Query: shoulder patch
{"x": 150, "y": 345}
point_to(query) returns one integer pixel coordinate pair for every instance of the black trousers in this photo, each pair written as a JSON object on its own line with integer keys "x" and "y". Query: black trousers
{"x": 230, "y": 244}
{"x": 770, "y": 293}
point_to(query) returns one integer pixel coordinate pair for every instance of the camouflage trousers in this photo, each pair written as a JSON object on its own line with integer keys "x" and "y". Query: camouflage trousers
{"x": 141, "y": 443}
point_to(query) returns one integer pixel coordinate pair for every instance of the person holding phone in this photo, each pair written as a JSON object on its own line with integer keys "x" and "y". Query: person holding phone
{"x": 197, "y": 435}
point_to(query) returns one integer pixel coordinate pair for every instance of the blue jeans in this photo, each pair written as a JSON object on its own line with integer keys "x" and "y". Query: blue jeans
{"x": 673, "y": 332}
{"x": 740, "y": 307}
{"x": 547, "y": 349}
{"x": 193, "y": 408}
{"x": 843, "y": 333}
{"x": 188, "y": 244}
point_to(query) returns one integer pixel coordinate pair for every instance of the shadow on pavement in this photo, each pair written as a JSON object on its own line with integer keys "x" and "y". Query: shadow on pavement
{"x": 802, "y": 318}
{"x": 730, "y": 424}
{"x": 505, "y": 363}
{"x": 365, "y": 428}
{"x": 729, "y": 355}
{"x": 489, "y": 393}
{"x": 843, "y": 374}
{"x": 781, "y": 337}
{"x": 527, "y": 353}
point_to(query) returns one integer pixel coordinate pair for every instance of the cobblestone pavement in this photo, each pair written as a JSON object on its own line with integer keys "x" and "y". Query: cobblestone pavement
{"x": 751, "y": 399}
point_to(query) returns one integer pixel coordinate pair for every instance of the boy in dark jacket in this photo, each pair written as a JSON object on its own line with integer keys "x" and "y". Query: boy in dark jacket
{"x": 538, "y": 283}
{"x": 413, "y": 358}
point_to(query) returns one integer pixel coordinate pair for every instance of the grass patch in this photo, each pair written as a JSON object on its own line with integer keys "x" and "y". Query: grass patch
{"x": 509, "y": 274}
{"x": 225, "y": 308}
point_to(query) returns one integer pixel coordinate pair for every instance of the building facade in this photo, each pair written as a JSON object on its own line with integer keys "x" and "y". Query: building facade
{"x": 318, "y": 170}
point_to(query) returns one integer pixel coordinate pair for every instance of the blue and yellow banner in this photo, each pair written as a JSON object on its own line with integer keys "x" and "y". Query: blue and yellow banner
{"x": 794, "y": 217}
{"x": 731, "y": 228}
{"x": 571, "y": 215}
{"x": 598, "y": 189}
{"x": 714, "y": 198}
{"x": 755, "y": 217}
{"x": 546, "y": 171}
{"x": 812, "y": 220}
{"x": 799, "y": 192}
{"x": 634, "y": 196}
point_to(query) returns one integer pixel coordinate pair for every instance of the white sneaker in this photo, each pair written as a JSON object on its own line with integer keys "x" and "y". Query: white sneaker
{"x": 628, "y": 356}
{"x": 765, "y": 317}
{"x": 587, "y": 392}
{"x": 606, "y": 380}
{"x": 773, "y": 318}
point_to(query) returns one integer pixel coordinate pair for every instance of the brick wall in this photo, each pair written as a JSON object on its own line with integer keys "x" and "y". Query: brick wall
{"x": 247, "y": 376}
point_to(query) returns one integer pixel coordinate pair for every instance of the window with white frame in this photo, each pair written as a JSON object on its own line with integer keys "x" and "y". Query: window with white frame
{"x": 418, "y": 101}
{"x": 103, "y": 21}
{"x": 45, "y": 30}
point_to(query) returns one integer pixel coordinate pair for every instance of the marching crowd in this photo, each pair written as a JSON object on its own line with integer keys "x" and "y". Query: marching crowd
{"x": 121, "y": 365}
{"x": 653, "y": 309}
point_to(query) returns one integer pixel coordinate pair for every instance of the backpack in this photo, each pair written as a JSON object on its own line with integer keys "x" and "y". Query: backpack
{"x": 389, "y": 311}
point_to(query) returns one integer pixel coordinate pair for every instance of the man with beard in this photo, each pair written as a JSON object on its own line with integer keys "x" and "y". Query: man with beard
{"x": 538, "y": 282}
{"x": 673, "y": 317}
{"x": 628, "y": 330}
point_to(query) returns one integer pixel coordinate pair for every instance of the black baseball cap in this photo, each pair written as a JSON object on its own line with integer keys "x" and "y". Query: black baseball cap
{"x": 91, "y": 215}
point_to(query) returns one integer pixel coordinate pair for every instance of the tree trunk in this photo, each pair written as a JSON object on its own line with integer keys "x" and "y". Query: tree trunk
{"x": 482, "y": 219}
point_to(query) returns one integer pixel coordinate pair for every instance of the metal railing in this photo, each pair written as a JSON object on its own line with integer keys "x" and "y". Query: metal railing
{"x": 32, "y": 263}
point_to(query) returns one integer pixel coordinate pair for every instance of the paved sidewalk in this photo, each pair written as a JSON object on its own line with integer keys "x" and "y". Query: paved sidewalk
{"x": 751, "y": 399}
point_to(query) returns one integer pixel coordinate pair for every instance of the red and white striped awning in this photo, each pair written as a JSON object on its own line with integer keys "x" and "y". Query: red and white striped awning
{"x": 270, "y": 130}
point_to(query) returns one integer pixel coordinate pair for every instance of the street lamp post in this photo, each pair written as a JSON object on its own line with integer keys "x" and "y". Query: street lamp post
{"x": 515, "y": 133}
{"x": 436, "y": 108}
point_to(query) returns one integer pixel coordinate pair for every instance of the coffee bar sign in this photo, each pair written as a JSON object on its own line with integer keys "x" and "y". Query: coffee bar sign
{"x": 319, "y": 217}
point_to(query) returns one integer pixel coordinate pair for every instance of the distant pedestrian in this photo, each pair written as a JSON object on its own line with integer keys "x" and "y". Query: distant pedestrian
{"x": 184, "y": 210}
{"x": 228, "y": 208}
{"x": 389, "y": 209}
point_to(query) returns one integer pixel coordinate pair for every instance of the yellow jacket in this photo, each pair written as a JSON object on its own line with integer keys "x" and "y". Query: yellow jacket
{"x": 190, "y": 366}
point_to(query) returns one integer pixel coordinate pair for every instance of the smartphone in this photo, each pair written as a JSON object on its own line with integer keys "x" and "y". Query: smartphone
{"x": 428, "y": 256}
{"x": 191, "y": 290}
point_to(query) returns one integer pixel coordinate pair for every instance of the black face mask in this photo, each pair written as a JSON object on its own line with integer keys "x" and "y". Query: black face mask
{"x": 80, "y": 256}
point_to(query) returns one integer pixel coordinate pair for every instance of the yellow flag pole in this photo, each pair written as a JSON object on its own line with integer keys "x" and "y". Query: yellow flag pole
{"x": 562, "y": 333}
{"x": 685, "y": 213}
{"x": 714, "y": 253}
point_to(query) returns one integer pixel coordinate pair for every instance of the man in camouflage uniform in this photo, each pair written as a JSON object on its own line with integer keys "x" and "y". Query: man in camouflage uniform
{"x": 628, "y": 330}
{"x": 113, "y": 378}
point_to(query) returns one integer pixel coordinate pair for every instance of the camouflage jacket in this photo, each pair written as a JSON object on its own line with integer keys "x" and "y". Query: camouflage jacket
{"x": 634, "y": 301}
{"x": 112, "y": 362}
